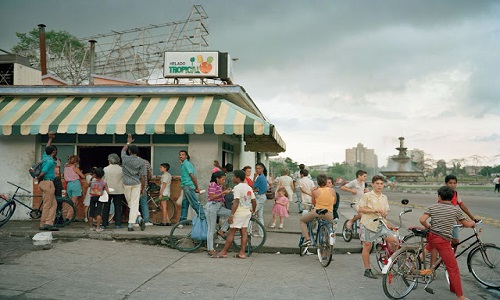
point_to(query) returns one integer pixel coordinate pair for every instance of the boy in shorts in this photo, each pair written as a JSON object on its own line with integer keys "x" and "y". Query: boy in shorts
{"x": 444, "y": 215}
{"x": 243, "y": 206}
{"x": 372, "y": 205}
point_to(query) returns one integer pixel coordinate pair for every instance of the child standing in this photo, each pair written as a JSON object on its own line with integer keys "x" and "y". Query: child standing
{"x": 166, "y": 180}
{"x": 97, "y": 188}
{"x": 280, "y": 207}
{"x": 444, "y": 215}
{"x": 243, "y": 206}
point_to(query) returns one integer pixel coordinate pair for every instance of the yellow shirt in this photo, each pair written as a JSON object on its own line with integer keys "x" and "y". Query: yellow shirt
{"x": 325, "y": 199}
{"x": 372, "y": 201}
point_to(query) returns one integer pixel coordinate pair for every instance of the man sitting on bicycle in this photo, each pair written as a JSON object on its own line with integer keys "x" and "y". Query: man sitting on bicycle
{"x": 444, "y": 215}
{"x": 372, "y": 205}
{"x": 322, "y": 198}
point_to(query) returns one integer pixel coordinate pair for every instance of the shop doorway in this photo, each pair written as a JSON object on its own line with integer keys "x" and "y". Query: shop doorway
{"x": 97, "y": 156}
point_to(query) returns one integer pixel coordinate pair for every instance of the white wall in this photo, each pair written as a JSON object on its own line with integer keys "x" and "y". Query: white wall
{"x": 24, "y": 75}
{"x": 203, "y": 150}
{"x": 18, "y": 154}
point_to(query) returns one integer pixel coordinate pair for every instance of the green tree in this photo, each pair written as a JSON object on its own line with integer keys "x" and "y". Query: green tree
{"x": 66, "y": 55}
{"x": 440, "y": 169}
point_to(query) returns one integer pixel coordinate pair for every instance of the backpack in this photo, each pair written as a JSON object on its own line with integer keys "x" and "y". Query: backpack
{"x": 36, "y": 169}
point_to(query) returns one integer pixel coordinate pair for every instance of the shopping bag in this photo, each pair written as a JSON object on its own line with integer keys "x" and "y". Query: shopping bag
{"x": 200, "y": 229}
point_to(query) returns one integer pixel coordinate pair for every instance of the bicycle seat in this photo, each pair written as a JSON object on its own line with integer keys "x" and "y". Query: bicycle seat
{"x": 420, "y": 232}
{"x": 321, "y": 211}
{"x": 352, "y": 204}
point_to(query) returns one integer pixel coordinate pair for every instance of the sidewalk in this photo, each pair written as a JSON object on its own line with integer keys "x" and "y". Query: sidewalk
{"x": 278, "y": 240}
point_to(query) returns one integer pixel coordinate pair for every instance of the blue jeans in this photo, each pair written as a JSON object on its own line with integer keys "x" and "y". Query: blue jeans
{"x": 299, "y": 198}
{"x": 143, "y": 206}
{"x": 261, "y": 200}
{"x": 212, "y": 210}
{"x": 190, "y": 198}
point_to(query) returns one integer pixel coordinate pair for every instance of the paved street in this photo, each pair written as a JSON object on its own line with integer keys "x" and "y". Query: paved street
{"x": 121, "y": 265}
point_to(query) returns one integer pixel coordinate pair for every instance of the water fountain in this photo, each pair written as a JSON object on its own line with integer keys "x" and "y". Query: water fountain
{"x": 400, "y": 166}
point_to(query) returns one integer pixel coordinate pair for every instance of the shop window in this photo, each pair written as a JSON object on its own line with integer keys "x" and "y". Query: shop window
{"x": 227, "y": 153}
{"x": 170, "y": 155}
{"x": 97, "y": 156}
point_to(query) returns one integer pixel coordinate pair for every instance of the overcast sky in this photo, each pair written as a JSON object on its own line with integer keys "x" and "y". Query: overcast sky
{"x": 332, "y": 74}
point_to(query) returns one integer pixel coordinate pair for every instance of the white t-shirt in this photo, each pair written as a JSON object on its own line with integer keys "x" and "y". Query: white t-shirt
{"x": 359, "y": 187}
{"x": 307, "y": 185}
{"x": 496, "y": 180}
{"x": 244, "y": 193}
{"x": 166, "y": 178}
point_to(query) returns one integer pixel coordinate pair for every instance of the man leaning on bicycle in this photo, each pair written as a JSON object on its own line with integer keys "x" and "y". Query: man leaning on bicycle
{"x": 323, "y": 198}
{"x": 373, "y": 205}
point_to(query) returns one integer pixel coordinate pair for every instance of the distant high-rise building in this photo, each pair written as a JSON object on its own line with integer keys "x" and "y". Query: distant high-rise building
{"x": 361, "y": 155}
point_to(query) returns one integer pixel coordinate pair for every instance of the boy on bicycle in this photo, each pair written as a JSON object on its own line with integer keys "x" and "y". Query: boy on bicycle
{"x": 357, "y": 188}
{"x": 372, "y": 205}
{"x": 444, "y": 215}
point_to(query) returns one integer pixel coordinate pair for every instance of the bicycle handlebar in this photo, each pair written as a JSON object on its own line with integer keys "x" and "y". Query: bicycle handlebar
{"x": 19, "y": 187}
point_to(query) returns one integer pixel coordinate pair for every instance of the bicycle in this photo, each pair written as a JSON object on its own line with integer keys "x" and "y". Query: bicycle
{"x": 382, "y": 248}
{"x": 153, "y": 196}
{"x": 406, "y": 268}
{"x": 180, "y": 237}
{"x": 323, "y": 239}
{"x": 349, "y": 233}
{"x": 64, "y": 204}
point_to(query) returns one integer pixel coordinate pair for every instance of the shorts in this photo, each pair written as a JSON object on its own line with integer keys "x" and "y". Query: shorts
{"x": 240, "y": 221}
{"x": 74, "y": 188}
{"x": 454, "y": 233}
{"x": 95, "y": 206}
{"x": 366, "y": 235}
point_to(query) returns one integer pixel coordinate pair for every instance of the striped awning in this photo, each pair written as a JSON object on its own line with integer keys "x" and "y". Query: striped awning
{"x": 138, "y": 115}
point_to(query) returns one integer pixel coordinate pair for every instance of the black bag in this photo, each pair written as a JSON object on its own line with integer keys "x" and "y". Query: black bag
{"x": 36, "y": 169}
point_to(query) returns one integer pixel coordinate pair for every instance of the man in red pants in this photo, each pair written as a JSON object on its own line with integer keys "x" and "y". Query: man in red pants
{"x": 444, "y": 215}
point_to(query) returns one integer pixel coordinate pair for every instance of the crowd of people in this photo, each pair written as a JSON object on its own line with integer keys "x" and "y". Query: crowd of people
{"x": 237, "y": 194}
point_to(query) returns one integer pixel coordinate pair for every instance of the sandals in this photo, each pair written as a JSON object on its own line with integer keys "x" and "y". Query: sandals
{"x": 237, "y": 255}
{"x": 219, "y": 256}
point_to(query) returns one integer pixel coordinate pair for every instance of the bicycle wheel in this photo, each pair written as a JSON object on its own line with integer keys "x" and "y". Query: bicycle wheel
{"x": 324, "y": 249}
{"x": 346, "y": 232}
{"x": 302, "y": 249}
{"x": 180, "y": 237}
{"x": 65, "y": 213}
{"x": 171, "y": 208}
{"x": 6, "y": 211}
{"x": 484, "y": 264}
{"x": 256, "y": 236}
{"x": 398, "y": 282}
{"x": 380, "y": 255}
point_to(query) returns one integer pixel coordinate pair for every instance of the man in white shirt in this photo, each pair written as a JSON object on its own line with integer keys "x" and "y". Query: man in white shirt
{"x": 357, "y": 188}
{"x": 306, "y": 186}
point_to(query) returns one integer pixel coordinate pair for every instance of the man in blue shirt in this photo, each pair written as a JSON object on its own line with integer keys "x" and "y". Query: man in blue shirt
{"x": 189, "y": 185}
{"x": 46, "y": 185}
{"x": 260, "y": 188}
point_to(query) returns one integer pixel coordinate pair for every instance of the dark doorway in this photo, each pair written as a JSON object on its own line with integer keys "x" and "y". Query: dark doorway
{"x": 97, "y": 156}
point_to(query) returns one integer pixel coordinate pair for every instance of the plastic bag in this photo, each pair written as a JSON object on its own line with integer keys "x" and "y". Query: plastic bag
{"x": 104, "y": 197}
{"x": 200, "y": 229}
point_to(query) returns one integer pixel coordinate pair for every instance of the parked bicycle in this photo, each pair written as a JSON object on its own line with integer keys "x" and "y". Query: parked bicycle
{"x": 154, "y": 199}
{"x": 65, "y": 212}
{"x": 322, "y": 233}
{"x": 382, "y": 249}
{"x": 407, "y": 268}
{"x": 180, "y": 237}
